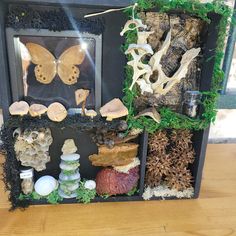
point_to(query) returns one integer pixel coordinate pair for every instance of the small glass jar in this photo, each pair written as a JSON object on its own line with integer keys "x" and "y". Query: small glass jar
{"x": 192, "y": 99}
{"x": 27, "y": 177}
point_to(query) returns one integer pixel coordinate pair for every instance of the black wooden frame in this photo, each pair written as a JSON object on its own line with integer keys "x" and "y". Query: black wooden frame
{"x": 199, "y": 138}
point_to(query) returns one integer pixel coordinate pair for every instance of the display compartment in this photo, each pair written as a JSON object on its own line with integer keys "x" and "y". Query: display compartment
{"x": 87, "y": 170}
{"x": 26, "y": 85}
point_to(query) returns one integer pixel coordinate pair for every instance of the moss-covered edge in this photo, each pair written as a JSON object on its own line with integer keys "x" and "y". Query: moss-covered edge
{"x": 170, "y": 119}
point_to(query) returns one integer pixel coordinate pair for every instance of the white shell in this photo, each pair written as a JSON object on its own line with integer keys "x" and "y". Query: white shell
{"x": 70, "y": 157}
{"x": 45, "y": 185}
{"x": 90, "y": 184}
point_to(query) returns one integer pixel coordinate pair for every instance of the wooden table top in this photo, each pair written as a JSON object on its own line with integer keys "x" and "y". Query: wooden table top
{"x": 213, "y": 214}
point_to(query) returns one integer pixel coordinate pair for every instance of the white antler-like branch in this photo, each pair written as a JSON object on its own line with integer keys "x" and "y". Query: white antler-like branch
{"x": 137, "y": 22}
{"x": 137, "y": 51}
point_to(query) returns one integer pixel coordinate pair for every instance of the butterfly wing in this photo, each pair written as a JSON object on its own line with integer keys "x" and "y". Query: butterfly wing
{"x": 67, "y": 69}
{"x": 46, "y": 68}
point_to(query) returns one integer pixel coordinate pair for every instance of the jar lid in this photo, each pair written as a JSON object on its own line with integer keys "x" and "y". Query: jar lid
{"x": 25, "y": 169}
{"x": 192, "y": 95}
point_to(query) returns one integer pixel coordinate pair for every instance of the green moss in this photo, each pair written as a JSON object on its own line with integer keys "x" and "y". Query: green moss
{"x": 52, "y": 198}
{"x": 170, "y": 119}
{"x": 132, "y": 191}
{"x": 85, "y": 195}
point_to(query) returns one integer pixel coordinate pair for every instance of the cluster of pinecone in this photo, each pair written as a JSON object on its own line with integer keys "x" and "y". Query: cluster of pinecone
{"x": 169, "y": 156}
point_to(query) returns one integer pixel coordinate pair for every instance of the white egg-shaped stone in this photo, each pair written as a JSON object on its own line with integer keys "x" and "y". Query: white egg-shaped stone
{"x": 70, "y": 157}
{"x": 90, "y": 184}
{"x": 45, "y": 185}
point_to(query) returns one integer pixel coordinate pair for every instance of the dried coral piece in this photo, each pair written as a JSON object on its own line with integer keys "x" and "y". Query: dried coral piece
{"x": 56, "y": 112}
{"x": 111, "y": 182}
{"x": 32, "y": 148}
{"x": 114, "y": 109}
{"x": 119, "y": 155}
{"x": 37, "y": 110}
{"x": 20, "y": 108}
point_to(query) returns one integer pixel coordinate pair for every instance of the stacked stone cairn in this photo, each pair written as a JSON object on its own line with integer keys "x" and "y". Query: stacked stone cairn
{"x": 69, "y": 177}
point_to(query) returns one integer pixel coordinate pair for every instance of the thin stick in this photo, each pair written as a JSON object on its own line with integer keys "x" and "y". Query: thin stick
{"x": 110, "y": 10}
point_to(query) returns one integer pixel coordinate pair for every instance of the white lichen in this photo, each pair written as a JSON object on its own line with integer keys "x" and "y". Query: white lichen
{"x": 126, "y": 168}
{"x": 163, "y": 192}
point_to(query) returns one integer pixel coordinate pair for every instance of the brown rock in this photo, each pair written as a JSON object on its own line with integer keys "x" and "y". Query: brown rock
{"x": 69, "y": 147}
{"x": 121, "y": 154}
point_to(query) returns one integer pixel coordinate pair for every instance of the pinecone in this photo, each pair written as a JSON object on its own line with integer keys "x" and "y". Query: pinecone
{"x": 179, "y": 179}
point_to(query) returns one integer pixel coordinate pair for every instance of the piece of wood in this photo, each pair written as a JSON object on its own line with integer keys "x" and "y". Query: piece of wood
{"x": 81, "y": 97}
{"x": 37, "y": 110}
{"x": 20, "y": 108}
{"x": 214, "y": 213}
{"x": 119, "y": 155}
{"x": 56, "y": 112}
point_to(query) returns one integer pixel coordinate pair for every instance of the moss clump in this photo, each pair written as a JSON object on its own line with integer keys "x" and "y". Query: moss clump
{"x": 85, "y": 195}
{"x": 170, "y": 119}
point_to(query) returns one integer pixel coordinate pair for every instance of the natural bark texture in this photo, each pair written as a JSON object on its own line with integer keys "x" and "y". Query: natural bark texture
{"x": 186, "y": 32}
{"x": 119, "y": 155}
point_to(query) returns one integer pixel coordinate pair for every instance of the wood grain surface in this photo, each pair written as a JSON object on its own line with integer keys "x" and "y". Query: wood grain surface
{"x": 213, "y": 214}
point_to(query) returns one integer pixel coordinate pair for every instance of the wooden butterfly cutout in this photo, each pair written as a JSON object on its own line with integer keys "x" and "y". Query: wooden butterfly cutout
{"x": 47, "y": 66}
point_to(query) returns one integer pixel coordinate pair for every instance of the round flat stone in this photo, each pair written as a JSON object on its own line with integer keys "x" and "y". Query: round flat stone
{"x": 70, "y": 157}
{"x": 63, "y": 195}
{"x": 64, "y": 177}
{"x": 65, "y": 166}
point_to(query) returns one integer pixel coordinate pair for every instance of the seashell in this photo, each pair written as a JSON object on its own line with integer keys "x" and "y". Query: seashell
{"x": 45, "y": 185}
{"x": 90, "y": 184}
{"x": 16, "y": 132}
{"x": 70, "y": 157}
